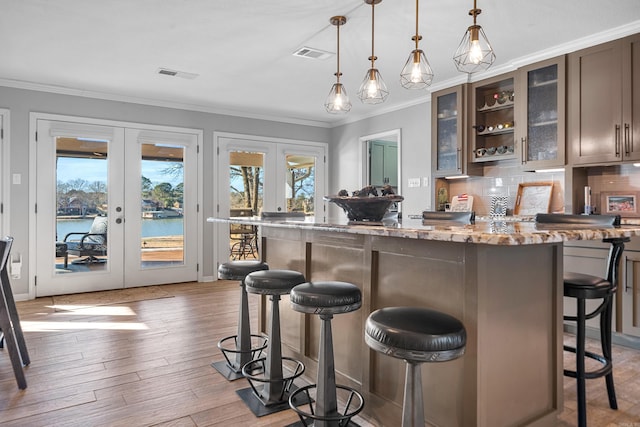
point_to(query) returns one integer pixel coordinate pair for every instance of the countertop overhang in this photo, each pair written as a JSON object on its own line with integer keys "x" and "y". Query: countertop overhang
{"x": 490, "y": 232}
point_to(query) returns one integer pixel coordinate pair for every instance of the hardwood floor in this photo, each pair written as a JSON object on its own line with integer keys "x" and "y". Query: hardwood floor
{"x": 147, "y": 363}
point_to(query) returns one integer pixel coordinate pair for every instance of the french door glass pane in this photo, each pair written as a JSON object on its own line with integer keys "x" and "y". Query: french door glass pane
{"x": 81, "y": 201}
{"x": 246, "y": 179}
{"x": 300, "y": 183}
{"x": 162, "y": 195}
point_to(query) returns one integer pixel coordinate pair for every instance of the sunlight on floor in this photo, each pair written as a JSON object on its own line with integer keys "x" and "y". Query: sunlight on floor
{"x": 96, "y": 310}
{"x": 28, "y": 326}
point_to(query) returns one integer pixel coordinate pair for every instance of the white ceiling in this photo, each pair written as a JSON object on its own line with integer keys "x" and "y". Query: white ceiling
{"x": 242, "y": 49}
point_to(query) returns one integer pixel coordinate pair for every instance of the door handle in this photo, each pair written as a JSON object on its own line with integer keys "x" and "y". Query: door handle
{"x": 118, "y": 220}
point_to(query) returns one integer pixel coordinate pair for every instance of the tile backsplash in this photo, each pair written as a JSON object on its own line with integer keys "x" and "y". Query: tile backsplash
{"x": 504, "y": 181}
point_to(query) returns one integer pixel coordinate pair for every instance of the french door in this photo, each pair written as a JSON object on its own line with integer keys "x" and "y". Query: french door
{"x": 116, "y": 207}
{"x": 267, "y": 175}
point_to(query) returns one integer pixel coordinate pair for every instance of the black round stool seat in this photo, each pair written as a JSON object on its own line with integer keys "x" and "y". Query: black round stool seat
{"x": 579, "y": 285}
{"x": 273, "y": 282}
{"x": 415, "y": 334}
{"x": 326, "y": 297}
{"x": 238, "y": 270}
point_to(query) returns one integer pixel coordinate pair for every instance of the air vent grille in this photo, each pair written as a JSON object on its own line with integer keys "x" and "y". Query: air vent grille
{"x": 174, "y": 73}
{"x": 312, "y": 53}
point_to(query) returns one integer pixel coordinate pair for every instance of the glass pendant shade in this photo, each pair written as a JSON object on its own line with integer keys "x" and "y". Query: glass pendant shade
{"x": 338, "y": 101}
{"x": 474, "y": 52}
{"x": 373, "y": 90}
{"x": 417, "y": 72}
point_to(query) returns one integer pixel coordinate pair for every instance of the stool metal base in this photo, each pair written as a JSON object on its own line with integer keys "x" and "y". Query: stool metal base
{"x": 339, "y": 417}
{"x": 225, "y": 370}
{"x": 255, "y": 404}
{"x": 229, "y": 369}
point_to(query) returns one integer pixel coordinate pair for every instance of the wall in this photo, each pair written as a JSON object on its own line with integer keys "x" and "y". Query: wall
{"x": 21, "y": 102}
{"x": 345, "y": 154}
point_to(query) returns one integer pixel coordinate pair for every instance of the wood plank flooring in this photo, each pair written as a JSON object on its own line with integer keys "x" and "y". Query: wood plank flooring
{"x": 147, "y": 363}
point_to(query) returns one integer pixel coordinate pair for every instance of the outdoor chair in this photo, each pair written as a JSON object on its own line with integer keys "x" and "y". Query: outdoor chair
{"x": 89, "y": 245}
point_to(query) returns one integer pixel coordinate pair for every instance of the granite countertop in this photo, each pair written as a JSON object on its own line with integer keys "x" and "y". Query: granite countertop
{"x": 484, "y": 231}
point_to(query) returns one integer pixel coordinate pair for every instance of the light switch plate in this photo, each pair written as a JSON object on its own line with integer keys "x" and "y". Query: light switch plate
{"x": 413, "y": 182}
{"x": 425, "y": 181}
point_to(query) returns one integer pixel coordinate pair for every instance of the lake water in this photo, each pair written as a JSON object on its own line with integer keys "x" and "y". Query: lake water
{"x": 150, "y": 227}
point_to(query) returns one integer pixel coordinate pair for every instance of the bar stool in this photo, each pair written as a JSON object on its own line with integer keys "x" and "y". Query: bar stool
{"x": 326, "y": 299}
{"x": 270, "y": 389}
{"x": 584, "y": 287}
{"x": 416, "y": 335}
{"x": 243, "y": 350}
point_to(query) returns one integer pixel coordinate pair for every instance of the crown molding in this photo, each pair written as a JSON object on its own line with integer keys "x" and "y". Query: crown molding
{"x": 20, "y": 84}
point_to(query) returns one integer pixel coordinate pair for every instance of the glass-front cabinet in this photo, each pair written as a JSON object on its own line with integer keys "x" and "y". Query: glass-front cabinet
{"x": 449, "y": 139}
{"x": 540, "y": 114}
{"x": 493, "y": 124}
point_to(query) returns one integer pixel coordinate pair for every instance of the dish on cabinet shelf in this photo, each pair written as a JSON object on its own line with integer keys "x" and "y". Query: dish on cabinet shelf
{"x": 495, "y": 106}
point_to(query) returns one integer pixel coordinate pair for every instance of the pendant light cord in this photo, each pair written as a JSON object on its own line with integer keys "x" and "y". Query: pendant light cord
{"x": 338, "y": 55}
{"x": 417, "y": 35}
{"x": 373, "y": 20}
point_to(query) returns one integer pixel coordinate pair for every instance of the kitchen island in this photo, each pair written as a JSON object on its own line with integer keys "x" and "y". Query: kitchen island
{"x": 502, "y": 279}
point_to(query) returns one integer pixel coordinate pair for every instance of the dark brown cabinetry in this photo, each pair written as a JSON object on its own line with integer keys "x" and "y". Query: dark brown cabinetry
{"x": 450, "y": 155}
{"x": 540, "y": 114}
{"x": 492, "y": 124}
{"x": 604, "y": 102}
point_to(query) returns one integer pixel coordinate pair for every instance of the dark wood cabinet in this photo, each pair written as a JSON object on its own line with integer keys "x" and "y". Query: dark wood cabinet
{"x": 492, "y": 127}
{"x": 540, "y": 114}
{"x": 449, "y": 151}
{"x": 604, "y": 102}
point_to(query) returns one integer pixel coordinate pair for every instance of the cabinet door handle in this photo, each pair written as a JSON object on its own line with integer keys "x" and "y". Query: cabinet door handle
{"x": 523, "y": 143}
{"x": 628, "y": 147}
{"x": 617, "y": 137}
{"x": 459, "y": 158}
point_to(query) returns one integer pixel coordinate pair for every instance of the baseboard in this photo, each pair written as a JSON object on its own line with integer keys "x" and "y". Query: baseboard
{"x": 617, "y": 338}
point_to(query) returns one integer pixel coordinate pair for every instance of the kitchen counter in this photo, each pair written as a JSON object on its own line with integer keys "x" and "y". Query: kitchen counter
{"x": 507, "y": 231}
{"x": 502, "y": 279}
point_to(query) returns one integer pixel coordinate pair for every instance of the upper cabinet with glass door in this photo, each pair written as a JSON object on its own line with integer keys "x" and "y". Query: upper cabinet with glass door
{"x": 540, "y": 114}
{"x": 449, "y": 153}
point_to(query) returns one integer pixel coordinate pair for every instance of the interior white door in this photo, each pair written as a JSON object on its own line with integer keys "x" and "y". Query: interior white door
{"x": 116, "y": 207}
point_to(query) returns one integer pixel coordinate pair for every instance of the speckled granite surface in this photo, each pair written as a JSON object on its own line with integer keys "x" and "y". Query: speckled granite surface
{"x": 482, "y": 232}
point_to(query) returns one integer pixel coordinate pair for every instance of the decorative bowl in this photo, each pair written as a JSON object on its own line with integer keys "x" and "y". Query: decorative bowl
{"x": 365, "y": 209}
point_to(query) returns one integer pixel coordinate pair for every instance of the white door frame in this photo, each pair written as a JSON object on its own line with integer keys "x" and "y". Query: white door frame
{"x": 5, "y": 171}
{"x": 33, "y": 119}
{"x": 221, "y": 191}
{"x": 364, "y": 155}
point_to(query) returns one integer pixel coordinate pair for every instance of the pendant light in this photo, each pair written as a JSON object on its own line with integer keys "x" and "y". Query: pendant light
{"x": 373, "y": 90}
{"x": 474, "y": 52}
{"x": 417, "y": 73}
{"x": 338, "y": 101}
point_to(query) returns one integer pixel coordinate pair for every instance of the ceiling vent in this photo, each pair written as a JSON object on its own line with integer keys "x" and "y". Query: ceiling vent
{"x": 312, "y": 53}
{"x": 174, "y": 73}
